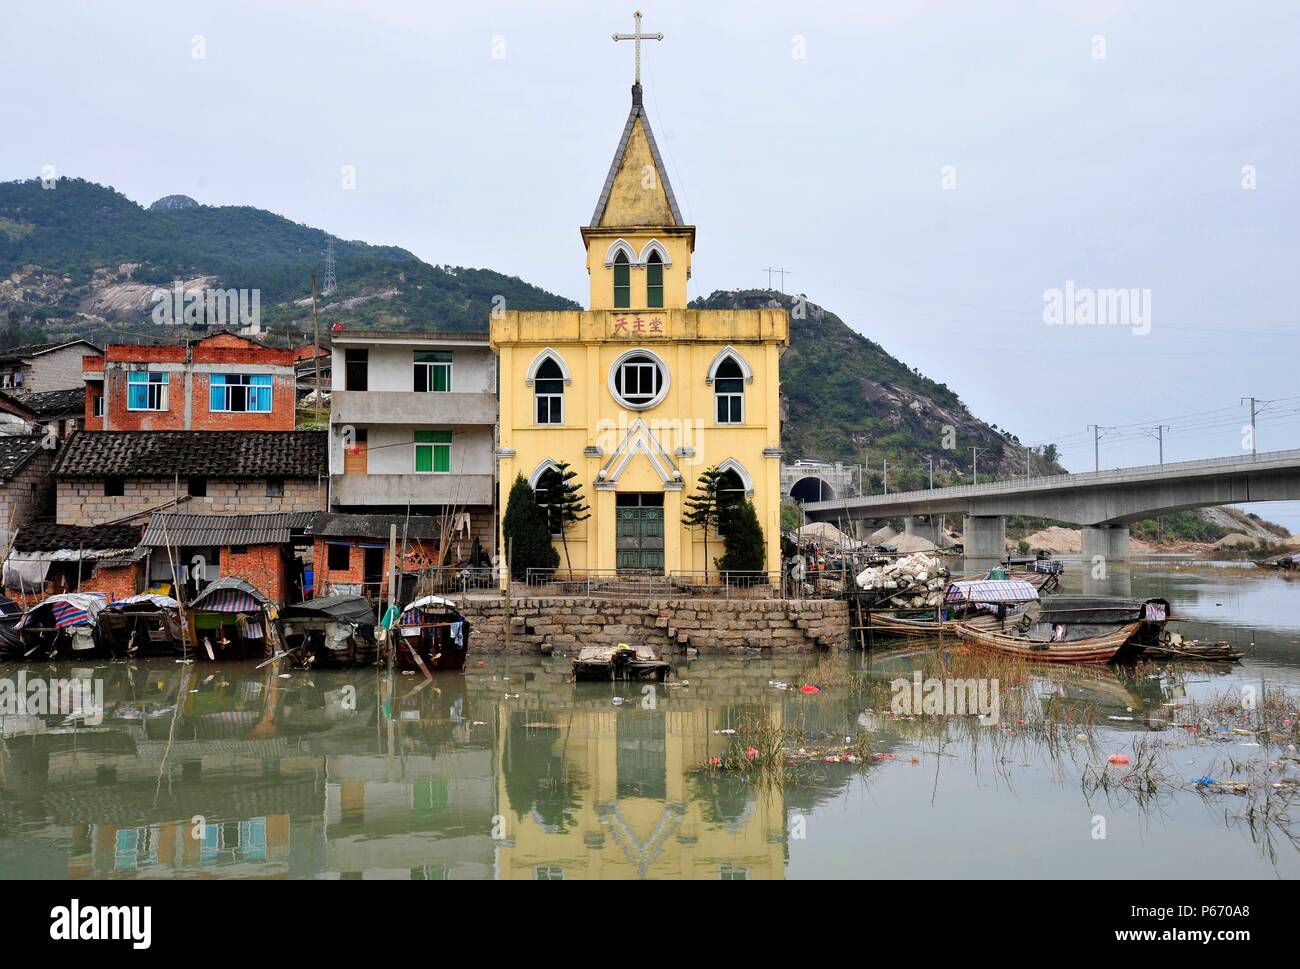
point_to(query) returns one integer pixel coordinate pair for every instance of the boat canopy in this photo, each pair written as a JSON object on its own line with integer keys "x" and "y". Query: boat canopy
{"x": 427, "y": 602}
{"x": 70, "y": 609}
{"x": 981, "y": 591}
{"x": 147, "y": 599}
{"x": 230, "y": 595}
{"x": 1102, "y": 610}
{"x": 340, "y": 608}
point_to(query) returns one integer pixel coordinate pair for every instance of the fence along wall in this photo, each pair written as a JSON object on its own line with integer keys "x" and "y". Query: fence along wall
{"x": 712, "y": 625}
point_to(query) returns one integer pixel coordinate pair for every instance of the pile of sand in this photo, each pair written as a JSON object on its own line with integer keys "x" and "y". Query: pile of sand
{"x": 1235, "y": 540}
{"x": 882, "y": 536}
{"x": 911, "y": 543}
{"x": 1056, "y": 539}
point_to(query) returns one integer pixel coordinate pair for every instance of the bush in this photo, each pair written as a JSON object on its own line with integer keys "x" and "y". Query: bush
{"x": 527, "y": 532}
{"x": 746, "y": 551}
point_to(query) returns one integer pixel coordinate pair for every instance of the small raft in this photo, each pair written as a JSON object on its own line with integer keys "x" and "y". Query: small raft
{"x": 621, "y": 662}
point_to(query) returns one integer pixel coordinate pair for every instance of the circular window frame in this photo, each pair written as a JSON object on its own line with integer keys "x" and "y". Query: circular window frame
{"x": 623, "y": 358}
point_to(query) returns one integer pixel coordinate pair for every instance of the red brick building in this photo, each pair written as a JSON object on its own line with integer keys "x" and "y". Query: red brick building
{"x": 350, "y": 553}
{"x": 268, "y": 551}
{"x": 223, "y": 382}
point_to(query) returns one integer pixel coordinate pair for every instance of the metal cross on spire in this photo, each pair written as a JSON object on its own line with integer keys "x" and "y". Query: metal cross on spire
{"x": 637, "y": 36}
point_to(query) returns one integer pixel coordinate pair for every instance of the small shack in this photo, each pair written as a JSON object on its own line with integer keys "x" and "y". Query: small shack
{"x": 231, "y": 619}
{"x": 50, "y": 559}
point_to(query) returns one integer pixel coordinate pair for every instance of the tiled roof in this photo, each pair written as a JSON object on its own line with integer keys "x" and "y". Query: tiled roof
{"x": 49, "y": 537}
{"x": 15, "y": 451}
{"x": 209, "y": 454}
{"x": 57, "y": 403}
{"x": 35, "y": 349}
{"x": 179, "y": 529}
{"x": 339, "y": 525}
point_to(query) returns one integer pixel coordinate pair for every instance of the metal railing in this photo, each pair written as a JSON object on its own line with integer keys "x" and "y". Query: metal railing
{"x": 684, "y": 584}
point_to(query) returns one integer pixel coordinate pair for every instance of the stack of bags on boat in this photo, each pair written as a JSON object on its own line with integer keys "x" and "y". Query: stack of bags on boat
{"x": 921, "y": 575}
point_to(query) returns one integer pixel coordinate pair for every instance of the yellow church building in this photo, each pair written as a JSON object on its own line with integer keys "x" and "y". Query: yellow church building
{"x": 639, "y": 394}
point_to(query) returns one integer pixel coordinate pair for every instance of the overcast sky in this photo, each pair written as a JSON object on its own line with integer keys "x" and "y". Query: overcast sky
{"x": 926, "y": 170}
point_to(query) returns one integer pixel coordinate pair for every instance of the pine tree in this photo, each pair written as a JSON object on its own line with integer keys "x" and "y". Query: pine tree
{"x": 527, "y": 532}
{"x": 566, "y": 505}
{"x": 746, "y": 550}
{"x": 704, "y": 509}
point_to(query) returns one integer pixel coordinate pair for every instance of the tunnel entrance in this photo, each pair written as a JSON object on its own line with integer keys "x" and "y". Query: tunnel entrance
{"x": 811, "y": 489}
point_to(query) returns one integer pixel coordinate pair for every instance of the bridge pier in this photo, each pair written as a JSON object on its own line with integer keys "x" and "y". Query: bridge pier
{"x": 922, "y": 526}
{"x": 1108, "y": 541}
{"x": 984, "y": 537}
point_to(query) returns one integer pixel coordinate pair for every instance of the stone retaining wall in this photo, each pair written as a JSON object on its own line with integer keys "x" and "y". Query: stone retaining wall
{"x": 713, "y": 625}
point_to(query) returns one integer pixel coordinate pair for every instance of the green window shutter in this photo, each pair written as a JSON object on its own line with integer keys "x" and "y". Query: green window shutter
{"x": 442, "y": 458}
{"x": 654, "y": 284}
{"x": 622, "y": 283}
{"x": 423, "y": 458}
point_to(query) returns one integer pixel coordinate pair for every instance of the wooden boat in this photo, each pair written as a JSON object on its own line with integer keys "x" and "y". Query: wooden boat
{"x": 1174, "y": 646}
{"x": 621, "y": 662}
{"x": 430, "y": 634}
{"x": 337, "y": 630}
{"x": 143, "y": 625}
{"x": 990, "y": 632}
{"x": 1069, "y": 629}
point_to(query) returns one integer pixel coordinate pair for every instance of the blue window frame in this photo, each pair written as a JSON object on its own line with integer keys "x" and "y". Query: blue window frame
{"x": 146, "y": 391}
{"x": 240, "y": 393}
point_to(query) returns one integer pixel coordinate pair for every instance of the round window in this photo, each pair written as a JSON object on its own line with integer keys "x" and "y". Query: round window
{"x": 638, "y": 380}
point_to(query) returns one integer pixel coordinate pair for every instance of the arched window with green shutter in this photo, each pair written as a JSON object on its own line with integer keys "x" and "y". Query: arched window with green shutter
{"x": 654, "y": 281}
{"x": 622, "y": 282}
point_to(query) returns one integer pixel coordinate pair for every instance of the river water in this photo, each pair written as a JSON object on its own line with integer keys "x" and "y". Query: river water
{"x": 512, "y": 771}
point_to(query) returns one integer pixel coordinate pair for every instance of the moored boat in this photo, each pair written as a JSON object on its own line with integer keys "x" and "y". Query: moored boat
{"x": 64, "y": 625}
{"x": 141, "y": 625}
{"x": 336, "y": 630}
{"x": 1069, "y": 629}
{"x": 231, "y": 619}
{"x": 430, "y": 634}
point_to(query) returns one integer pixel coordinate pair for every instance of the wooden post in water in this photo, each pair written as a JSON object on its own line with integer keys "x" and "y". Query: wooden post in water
{"x": 510, "y": 547}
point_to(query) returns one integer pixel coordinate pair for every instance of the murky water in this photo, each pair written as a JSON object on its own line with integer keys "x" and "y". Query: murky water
{"x": 511, "y": 771}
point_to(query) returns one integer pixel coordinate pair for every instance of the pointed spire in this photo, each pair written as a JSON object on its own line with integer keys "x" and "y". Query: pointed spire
{"x": 636, "y": 150}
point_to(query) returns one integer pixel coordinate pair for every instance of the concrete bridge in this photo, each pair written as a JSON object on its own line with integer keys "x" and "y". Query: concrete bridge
{"x": 1103, "y": 502}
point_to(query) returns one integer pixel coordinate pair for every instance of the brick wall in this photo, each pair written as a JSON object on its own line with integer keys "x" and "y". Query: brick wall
{"x": 261, "y": 566}
{"x": 28, "y": 495}
{"x": 117, "y": 583}
{"x": 83, "y": 502}
{"x": 420, "y": 555}
{"x": 711, "y": 625}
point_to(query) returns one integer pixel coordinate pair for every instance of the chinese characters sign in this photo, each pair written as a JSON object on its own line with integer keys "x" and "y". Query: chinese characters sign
{"x": 635, "y": 326}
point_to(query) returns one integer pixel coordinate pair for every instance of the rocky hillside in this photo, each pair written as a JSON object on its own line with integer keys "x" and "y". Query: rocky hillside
{"x": 844, "y": 395}
{"x": 80, "y": 258}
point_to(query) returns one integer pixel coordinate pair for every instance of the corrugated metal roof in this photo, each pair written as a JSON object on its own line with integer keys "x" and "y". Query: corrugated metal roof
{"x": 179, "y": 529}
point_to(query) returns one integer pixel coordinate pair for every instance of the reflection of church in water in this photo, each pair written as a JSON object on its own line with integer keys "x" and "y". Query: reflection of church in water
{"x": 603, "y": 792}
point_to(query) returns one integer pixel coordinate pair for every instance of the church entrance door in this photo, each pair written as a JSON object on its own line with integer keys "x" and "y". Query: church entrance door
{"x": 640, "y": 534}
